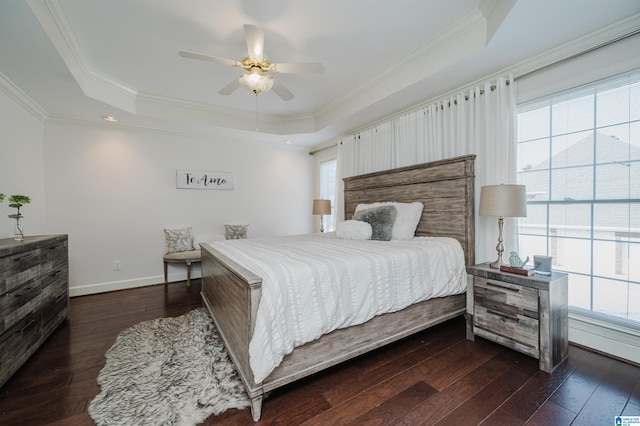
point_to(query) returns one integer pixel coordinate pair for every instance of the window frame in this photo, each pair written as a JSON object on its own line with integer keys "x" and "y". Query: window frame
{"x": 632, "y": 240}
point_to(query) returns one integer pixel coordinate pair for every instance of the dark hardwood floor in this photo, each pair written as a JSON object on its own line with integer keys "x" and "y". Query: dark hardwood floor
{"x": 434, "y": 377}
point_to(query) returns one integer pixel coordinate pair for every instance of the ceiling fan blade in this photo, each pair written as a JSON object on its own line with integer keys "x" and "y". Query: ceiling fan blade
{"x": 282, "y": 91}
{"x": 230, "y": 88}
{"x": 194, "y": 55}
{"x": 298, "y": 68}
{"x": 255, "y": 41}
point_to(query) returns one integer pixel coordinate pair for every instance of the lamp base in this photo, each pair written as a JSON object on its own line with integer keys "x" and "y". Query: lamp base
{"x": 496, "y": 264}
{"x": 500, "y": 246}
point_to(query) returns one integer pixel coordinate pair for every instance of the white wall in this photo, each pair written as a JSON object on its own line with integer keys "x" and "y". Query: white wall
{"x": 113, "y": 191}
{"x": 21, "y": 166}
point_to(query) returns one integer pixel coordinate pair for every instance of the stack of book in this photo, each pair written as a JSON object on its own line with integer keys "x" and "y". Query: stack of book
{"x": 514, "y": 270}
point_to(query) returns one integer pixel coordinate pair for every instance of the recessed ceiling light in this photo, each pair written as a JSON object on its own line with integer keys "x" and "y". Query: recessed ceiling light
{"x": 289, "y": 142}
{"x": 109, "y": 118}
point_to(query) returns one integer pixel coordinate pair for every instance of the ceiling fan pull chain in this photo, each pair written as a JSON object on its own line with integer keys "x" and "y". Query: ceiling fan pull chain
{"x": 257, "y": 126}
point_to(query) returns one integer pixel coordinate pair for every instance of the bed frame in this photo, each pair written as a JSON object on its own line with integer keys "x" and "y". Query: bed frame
{"x": 231, "y": 292}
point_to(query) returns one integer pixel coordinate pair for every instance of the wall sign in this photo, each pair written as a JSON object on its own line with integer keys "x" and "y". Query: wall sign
{"x": 187, "y": 179}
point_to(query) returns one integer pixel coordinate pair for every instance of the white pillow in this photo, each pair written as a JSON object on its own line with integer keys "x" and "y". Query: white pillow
{"x": 354, "y": 230}
{"x": 407, "y": 219}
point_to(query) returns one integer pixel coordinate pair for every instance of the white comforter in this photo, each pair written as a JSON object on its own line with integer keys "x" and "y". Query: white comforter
{"x": 314, "y": 284}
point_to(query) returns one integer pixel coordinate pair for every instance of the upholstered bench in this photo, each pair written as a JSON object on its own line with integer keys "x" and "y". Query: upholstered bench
{"x": 180, "y": 246}
{"x": 180, "y": 249}
{"x": 186, "y": 257}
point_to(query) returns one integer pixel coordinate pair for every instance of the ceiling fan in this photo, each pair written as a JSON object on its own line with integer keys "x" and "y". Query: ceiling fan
{"x": 257, "y": 80}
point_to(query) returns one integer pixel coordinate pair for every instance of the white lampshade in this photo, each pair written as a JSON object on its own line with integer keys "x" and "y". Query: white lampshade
{"x": 322, "y": 207}
{"x": 503, "y": 200}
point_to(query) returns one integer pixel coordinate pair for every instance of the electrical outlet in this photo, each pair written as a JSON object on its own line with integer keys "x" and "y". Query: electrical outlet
{"x": 117, "y": 265}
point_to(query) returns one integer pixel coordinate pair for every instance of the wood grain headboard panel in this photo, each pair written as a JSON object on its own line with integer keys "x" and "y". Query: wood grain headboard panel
{"x": 445, "y": 188}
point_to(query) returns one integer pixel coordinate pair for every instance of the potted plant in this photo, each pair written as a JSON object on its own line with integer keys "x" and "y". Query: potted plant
{"x": 17, "y": 201}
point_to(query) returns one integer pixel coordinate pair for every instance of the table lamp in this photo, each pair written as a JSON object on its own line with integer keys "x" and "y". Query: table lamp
{"x": 502, "y": 201}
{"x": 321, "y": 207}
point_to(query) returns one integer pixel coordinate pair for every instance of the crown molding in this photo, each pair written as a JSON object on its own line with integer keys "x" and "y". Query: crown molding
{"x": 461, "y": 38}
{"x": 92, "y": 82}
{"x": 21, "y": 98}
{"x": 458, "y": 40}
{"x": 102, "y": 87}
{"x": 576, "y": 47}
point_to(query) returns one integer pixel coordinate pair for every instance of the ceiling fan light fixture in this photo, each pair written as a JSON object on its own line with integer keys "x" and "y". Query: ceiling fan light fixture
{"x": 256, "y": 82}
{"x": 256, "y": 64}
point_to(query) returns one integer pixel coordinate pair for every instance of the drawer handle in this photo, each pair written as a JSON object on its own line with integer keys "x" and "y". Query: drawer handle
{"x": 25, "y": 291}
{"x": 504, "y": 287}
{"x": 502, "y": 315}
{"x": 27, "y": 326}
{"x": 18, "y": 259}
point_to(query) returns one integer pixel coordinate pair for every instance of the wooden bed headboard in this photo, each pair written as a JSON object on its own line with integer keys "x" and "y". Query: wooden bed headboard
{"x": 445, "y": 188}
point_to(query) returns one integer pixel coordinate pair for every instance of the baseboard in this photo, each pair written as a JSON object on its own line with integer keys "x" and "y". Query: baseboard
{"x": 84, "y": 290}
{"x": 620, "y": 342}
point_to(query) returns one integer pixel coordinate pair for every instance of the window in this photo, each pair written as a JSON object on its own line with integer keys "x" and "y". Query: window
{"x": 579, "y": 156}
{"x": 328, "y": 190}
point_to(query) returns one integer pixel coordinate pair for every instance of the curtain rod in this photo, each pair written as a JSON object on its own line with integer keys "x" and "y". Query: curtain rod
{"x": 324, "y": 148}
{"x": 424, "y": 104}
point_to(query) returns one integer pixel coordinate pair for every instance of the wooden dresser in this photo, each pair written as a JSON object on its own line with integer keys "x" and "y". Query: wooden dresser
{"x": 34, "y": 296}
{"x": 528, "y": 314}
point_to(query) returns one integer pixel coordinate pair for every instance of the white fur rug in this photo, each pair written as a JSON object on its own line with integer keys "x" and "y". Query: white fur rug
{"x": 168, "y": 371}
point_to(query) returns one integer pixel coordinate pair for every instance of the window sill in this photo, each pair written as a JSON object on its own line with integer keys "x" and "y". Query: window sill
{"x": 616, "y": 340}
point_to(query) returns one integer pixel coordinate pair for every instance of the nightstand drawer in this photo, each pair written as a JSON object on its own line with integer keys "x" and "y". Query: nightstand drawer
{"x": 507, "y": 298}
{"x": 516, "y": 331}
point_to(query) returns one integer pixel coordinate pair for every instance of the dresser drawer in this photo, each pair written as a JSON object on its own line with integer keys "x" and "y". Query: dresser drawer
{"x": 16, "y": 341}
{"x": 54, "y": 297}
{"x": 19, "y": 268}
{"x": 515, "y": 331}
{"x": 17, "y": 304}
{"x": 53, "y": 256}
{"x": 505, "y": 297}
{"x": 507, "y": 313}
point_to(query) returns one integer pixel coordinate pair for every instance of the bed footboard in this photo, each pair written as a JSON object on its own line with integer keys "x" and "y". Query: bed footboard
{"x": 231, "y": 293}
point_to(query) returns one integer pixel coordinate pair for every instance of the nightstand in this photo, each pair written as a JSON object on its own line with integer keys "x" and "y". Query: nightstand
{"x": 528, "y": 314}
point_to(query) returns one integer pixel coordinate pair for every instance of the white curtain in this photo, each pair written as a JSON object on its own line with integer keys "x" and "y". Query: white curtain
{"x": 480, "y": 121}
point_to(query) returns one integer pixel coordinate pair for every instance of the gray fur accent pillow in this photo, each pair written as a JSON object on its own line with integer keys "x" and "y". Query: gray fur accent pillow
{"x": 381, "y": 220}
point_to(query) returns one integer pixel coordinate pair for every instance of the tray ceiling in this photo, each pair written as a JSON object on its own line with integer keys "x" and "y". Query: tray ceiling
{"x": 80, "y": 59}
